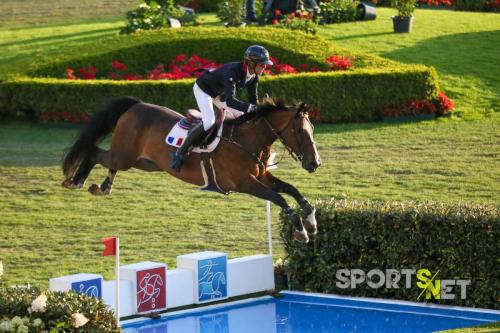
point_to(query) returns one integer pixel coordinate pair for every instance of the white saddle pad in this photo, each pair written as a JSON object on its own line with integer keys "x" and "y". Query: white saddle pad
{"x": 177, "y": 135}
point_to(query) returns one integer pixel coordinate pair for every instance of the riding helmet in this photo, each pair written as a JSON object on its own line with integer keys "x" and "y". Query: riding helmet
{"x": 258, "y": 55}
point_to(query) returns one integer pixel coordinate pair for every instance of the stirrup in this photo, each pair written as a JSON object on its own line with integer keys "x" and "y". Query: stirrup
{"x": 177, "y": 161}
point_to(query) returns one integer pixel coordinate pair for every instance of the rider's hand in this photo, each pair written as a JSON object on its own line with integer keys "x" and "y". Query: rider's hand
{"x": 252, "y": 108}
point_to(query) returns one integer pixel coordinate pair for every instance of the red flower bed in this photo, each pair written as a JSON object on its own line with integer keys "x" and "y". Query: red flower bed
{"x": 439, "y": 106}
{"x": 338, "y": 63}
{"x": 493, "y": 5}
{"x": 62, "y": 117}
{"x": 445, "y": 3}
{"x": 182, "y": 67}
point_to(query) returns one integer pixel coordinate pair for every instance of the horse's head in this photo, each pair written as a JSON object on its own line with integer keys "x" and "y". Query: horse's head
{"x": 291, "y": 124}
{"x": 298, "y": 137}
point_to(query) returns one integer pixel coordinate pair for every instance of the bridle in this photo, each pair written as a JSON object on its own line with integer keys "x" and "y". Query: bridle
{"x": 298, "y": 135}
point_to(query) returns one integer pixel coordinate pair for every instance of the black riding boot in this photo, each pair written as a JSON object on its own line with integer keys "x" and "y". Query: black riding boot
{"x": 196, "y": 134}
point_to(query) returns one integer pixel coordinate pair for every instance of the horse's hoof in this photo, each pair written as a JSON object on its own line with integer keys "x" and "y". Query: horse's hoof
{"x": 96, "y": 190}
{"x": 68, "y": 183}
{"x": 301, "y": 236}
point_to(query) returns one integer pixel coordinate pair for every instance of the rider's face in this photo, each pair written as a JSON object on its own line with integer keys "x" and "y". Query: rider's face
{"x": 259, "y": 68}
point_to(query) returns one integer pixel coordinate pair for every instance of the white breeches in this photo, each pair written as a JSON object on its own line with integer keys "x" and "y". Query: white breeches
{"x": 206, "y": 105}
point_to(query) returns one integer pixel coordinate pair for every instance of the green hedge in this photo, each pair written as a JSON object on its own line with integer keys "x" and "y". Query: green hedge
{"x": 472, "y": 5}
{"x": 461, "y": 241}
{"x": 353, "y": 95}
{"x": 57, "y": 315}
{"x": 486, "y": 328}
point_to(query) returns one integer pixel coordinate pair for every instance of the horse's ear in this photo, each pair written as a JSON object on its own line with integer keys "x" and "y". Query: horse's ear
{"x": 303, "y": 107}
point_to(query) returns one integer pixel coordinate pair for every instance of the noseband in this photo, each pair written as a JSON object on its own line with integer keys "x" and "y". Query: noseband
{"x": 297, "y": 133}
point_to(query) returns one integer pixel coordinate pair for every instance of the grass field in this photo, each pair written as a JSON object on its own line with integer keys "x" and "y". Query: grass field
{"x": 48, "y": 231}
{"x": 22, "y": 13}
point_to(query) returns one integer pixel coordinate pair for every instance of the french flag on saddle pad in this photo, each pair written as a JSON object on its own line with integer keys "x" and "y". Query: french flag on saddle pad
{"x": 176, "y": 136}
{"x": 172, "y": 139}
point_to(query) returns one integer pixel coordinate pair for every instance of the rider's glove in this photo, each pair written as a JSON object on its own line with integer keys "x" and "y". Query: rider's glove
{"x": 252, "y": 108}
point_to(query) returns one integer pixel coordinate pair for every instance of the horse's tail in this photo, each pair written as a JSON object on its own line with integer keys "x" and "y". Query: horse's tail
{"x": 99, "y": 125}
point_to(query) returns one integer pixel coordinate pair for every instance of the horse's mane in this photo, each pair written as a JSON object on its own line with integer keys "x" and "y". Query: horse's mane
{"x": 269, "y": 105}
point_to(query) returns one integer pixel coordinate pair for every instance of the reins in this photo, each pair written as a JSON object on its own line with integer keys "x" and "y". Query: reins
{"x": 277, "y": 135}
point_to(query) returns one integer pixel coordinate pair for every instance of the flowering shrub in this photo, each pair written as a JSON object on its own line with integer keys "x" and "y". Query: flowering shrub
{"x": 440, "y": 106}
{"x": 493, "y": 5}
{"x": 279, "y": 266}
{"x": 21, "y": 325}
{"x": 405, "y": 8}
{"x": 299, "y": 20}
{"x": 445, "y": 3}
{"x": 338, "y": 63}
{"x": 338, "y": 11}
{"x": 231, "y": 12}
{"x": 280, "y": 277}
{"x": 151, "y": 15}
{"x": 28, "y": 310}
{"x": 182, "y": 67}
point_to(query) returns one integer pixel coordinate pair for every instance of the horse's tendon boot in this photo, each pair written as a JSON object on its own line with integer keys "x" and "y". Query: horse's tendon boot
{"x": 310, "y": 223}
{"x": 301, "y": 236}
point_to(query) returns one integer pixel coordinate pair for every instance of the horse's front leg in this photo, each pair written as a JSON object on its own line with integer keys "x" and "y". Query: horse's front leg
{"x": 258, "y": 189}
{"x": 278, "y": 185}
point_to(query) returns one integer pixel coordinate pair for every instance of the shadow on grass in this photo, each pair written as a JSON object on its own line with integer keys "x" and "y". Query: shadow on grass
{"x": 466, "y": 54}
{"x": 57, "y": 38}
{"x": 368, "y": 35}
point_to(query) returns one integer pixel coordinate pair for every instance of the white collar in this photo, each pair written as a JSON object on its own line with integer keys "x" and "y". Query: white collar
{"x": 249, "y": 77}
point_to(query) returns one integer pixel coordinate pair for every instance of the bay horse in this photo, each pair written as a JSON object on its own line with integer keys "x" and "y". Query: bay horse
{"x": 239, "y": 161}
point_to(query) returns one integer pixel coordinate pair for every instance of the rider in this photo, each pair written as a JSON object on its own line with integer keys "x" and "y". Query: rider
{"x": 219, "y": 87}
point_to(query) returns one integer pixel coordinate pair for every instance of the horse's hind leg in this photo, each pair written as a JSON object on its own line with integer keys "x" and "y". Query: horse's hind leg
{"x": 83, "y": 171}
{"x": 110, "y": 161}
{"x": 105, "y": 187}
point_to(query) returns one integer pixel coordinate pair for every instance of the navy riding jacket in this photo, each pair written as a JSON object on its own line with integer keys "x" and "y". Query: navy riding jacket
{"x": 225, "y": 80}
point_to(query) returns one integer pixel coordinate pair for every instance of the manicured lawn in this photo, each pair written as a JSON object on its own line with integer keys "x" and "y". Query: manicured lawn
{"x": 49, "y": 231}
{"x": 22, "y": 13}
{"x": 462, "y": 46}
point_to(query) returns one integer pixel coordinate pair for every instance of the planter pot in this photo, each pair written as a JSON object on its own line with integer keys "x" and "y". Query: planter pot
{"x": 366, "y": 11}
{"x": 404, "y": 119}
{"x": 402, "y": 24}
{"x": 232, "y": 25}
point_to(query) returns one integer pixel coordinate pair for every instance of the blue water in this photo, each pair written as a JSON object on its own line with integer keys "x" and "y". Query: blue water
{"x": 302, "y": 313}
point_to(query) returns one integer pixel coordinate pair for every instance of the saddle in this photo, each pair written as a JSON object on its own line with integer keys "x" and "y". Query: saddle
{"x": 180, "y": 131}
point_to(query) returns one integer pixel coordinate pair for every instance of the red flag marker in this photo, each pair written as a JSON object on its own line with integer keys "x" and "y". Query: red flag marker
{"x": 110, "y": 244}
{"x": 113, "y": 249}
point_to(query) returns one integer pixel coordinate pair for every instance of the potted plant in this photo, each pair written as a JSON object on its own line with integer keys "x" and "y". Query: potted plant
{"x": 403, "y": 22}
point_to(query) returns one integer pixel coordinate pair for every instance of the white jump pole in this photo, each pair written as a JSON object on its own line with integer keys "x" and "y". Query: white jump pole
{"x": 117, "y": 276}
{"x": 269, "y": 230}
{"x": 270, "y": 166}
